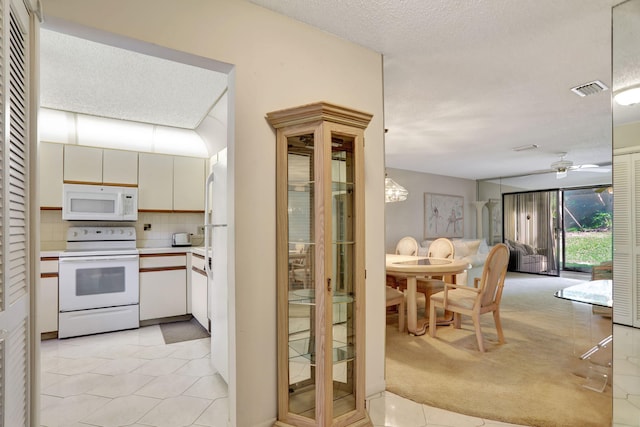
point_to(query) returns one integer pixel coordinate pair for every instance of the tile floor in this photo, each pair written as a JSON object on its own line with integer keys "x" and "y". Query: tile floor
{"x": 132, "y": 378}
{"x": 626, "y": 376}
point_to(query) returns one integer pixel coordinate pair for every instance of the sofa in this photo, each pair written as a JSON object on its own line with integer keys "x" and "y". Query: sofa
{"x": 473, "y": 251}
{"x": 525, "y": 258}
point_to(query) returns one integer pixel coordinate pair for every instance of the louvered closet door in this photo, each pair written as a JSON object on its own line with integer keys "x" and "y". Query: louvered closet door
{"x": 14, "y": 236}
{"x": 623, "y": 269}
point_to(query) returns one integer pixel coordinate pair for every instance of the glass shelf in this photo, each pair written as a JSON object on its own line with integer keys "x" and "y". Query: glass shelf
{"x": 341, "y": 186}
{"x": 300, "y": 349}
{"x": 308, "y": 297}
{"x": 300, "y": 186}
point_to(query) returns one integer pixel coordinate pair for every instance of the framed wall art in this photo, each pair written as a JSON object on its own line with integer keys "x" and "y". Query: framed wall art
{"x": 443, "y": 215}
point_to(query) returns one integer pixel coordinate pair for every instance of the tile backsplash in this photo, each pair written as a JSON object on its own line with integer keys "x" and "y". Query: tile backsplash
{"x": 53, "y": 230}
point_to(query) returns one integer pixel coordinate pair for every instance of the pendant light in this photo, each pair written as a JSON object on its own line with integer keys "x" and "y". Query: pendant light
{"x": 394, "y": 192}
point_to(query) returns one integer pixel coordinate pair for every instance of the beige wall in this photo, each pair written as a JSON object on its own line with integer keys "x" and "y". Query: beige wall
{"x": 278, "y": 63}
{"x": 407, "y": 218}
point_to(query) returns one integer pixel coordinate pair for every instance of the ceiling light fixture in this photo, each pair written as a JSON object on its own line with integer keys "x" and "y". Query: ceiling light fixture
{"x": 628, "y": 96}
{"x": 394, "y": 192}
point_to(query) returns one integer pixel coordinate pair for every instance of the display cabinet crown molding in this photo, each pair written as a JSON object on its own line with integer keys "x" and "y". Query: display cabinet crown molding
{"x": 319, "y": 111}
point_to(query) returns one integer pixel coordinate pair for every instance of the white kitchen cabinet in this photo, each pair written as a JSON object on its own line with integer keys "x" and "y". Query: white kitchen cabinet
{"x": 100, "y": 166}
{"x": 188, "y": 183}
{"x": 48, "y": 295}
{"x": 199, "y": 292}
{"x": 170, "y": 183}
{"x": 51, "y": 174}
{"x": 155, "y": 182}
{"x": 163, "y": 285}
{"x": 119, "y": 167}
{"x": 82, "y": 164}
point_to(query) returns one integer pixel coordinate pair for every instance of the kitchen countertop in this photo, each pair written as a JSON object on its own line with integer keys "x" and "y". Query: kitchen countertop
{"x": 162, "y": 250}
{"x": 166, "y": 250}
{"x": 47, "y": 254}
{"x": 198, "y": 250}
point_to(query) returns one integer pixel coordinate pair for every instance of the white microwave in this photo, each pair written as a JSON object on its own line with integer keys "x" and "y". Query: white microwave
{"x": 99, "y": 203}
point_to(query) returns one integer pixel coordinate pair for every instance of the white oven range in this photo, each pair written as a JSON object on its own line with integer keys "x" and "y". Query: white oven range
{"x": 98, "y": 281}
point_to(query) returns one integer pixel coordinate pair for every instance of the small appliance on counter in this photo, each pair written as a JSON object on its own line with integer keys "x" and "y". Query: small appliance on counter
{"x": 181, "y": 239}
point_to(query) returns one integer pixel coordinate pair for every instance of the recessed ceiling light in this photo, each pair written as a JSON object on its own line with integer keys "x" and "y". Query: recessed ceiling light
{"x": 628, "y": 96}
{"x": 590, "y": 88}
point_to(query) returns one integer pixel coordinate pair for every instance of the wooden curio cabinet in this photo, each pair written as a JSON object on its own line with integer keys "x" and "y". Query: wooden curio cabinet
{"x": 320, "y": 272}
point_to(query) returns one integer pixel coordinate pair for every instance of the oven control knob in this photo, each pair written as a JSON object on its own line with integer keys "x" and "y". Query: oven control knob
{"x": 85, "y": 231}
{"x": 109, "y": 231}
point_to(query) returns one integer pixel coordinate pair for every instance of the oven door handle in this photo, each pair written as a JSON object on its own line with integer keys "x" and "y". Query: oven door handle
{"x": 99, "y": 258}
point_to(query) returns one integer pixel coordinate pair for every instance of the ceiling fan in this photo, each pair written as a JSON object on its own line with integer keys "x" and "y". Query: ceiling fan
{"x": 563, "y": 166}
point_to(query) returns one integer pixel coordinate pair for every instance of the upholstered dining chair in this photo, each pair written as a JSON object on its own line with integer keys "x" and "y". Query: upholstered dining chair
{"x": 407, "y": 246}
{"x": 300, "y": 267}
{"x": 484, "y": 297}
{"x": 439, "y": 248}
{"x": 396, "y": 298}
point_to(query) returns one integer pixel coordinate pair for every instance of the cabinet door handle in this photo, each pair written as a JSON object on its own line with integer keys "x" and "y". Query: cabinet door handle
{"x": 329, "y": 284}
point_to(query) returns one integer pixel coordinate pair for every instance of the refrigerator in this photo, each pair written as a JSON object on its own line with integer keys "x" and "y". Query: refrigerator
{"x": 215, "y": 242}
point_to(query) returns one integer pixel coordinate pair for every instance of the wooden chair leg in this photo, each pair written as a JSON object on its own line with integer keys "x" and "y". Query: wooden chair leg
{"x": 496, "y": 318}
{"x": 432, "y": 320}
{"x": 476, "y": 324}
{"x": 457, "y": 320}
{"x": 427, "y": 295}
{"x": 401, "y": 316}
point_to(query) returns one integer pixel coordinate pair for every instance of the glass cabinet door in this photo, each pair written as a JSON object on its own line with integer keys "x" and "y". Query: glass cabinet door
{"x": 301, "y": 284}
{"x": 342, "y": 260}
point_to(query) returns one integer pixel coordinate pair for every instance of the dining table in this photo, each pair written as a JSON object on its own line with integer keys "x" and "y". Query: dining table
{"x": 413, "y": 267}
{"x": 597, "y": 293}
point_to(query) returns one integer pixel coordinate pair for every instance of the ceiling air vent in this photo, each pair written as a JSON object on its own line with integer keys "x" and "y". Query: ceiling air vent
{"x": 589, "y": 88}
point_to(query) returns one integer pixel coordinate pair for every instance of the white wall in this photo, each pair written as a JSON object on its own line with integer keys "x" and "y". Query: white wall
{"x": 407, "y": 218}
{"x": 276, "y": 63}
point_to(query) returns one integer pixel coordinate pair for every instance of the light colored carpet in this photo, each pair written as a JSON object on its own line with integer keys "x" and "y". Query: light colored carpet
{"x": 534, "y": 379}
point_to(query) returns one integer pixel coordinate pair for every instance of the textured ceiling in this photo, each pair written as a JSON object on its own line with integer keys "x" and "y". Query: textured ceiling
{"x": 82, "y": 76}
{"x": 626, "y": 56}
{"x": 466, "y": 81}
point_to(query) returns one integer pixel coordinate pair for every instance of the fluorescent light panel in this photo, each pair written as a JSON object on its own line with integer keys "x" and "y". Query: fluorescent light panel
{"x": 72, "y": 128}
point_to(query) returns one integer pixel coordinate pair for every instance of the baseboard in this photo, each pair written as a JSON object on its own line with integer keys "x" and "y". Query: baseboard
{"x": 49, "y": 335}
